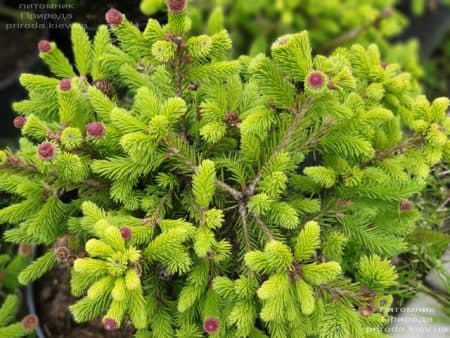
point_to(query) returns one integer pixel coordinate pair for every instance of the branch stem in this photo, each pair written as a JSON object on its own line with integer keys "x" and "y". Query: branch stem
{"x": 264, "y": 227}
{"x": 354, "y": 33}
{"x": 244, "y": 215}
{"x": 237, "y": 195}
{"x": 284, "y": 142}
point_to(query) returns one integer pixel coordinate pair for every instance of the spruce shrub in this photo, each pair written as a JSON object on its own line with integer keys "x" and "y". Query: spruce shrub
{"x": 194, "y": 195}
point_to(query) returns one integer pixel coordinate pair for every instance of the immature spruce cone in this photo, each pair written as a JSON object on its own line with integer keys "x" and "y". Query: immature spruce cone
{"x": 114, "y": 17}
{"x": 46, "y": 151}
{"x": 19, "y": 122}
{"x": 44, "y": 46}
{"x": 316, "y": 79}
{"x": 125, "y": 232}
{"x": 109, "y": 324}
{"x": 105, "y": 87}
{"x": 30, "y": 322}
{"x": 15, "y": 160}
{"x": 211, "y": 325}
{"x": 232, "y": 120}
{"x": 96, "y": 130}
{"x": 65, "y": 85}
{"x": 176, "y": 6}
{"x": 405, "y": 205}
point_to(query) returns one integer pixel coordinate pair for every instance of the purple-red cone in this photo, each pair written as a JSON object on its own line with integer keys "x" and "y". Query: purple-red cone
{"x": 316, "y": 79}
{"x": 19, "y": 122}
{"x": 15, "y": 160}
{"x": 211, "y": 325}
{"x": 46, "y": 151}
{"x": 95, "y": 130}
{"x": 176, "y": 6}
{"x": 109, "y": 324}
{"x": 406, "y": 205}
{"x": 30, "y": 322}
{"x": 65, "y": 85}
{"x": 126, "y": 233}
{"x": 44, "y": 46}
{"x": 114, "y": 17}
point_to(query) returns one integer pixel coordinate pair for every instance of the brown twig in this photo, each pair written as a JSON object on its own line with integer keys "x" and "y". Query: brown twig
{"x": 237, "y": 195}
{"x": 244, "y": 215}
{"x": 263, "y": 227}
{"x": 405, "y": 145}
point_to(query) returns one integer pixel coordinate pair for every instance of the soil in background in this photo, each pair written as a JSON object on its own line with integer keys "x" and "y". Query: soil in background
{"x": 53, "y": 298}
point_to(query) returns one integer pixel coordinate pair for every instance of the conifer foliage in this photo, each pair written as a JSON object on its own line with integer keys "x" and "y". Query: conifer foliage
{"x": 11, "y": 329}
{"x": 258, "y": 197}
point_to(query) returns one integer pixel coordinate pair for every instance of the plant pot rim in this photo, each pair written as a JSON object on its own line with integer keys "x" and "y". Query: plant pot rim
{"x": 29, "y": 294}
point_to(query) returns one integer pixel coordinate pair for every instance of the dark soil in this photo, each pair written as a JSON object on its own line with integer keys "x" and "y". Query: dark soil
{"x": 53, "y": 298}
